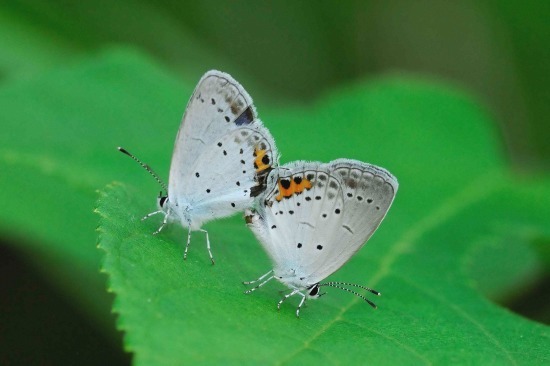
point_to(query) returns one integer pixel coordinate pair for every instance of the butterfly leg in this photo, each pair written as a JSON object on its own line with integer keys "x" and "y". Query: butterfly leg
{"x": 259, "y": 279}
{"x": 300, "y": 305}
{"x": 208, "y": 245}
{"x": 294, "y": 292}
{"x": 151, "y": 214}
{"x": 164, "y": 222}
{"x": 188, "y": 242}
{"x": 260, "y": 285}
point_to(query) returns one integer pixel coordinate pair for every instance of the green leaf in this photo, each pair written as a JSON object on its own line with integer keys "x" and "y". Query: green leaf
{"x": 59, "y": 146}
{"x": 456, "y": 202}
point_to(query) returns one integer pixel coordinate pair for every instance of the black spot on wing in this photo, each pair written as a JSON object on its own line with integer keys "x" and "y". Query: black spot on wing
{"x": 246, "y": 118}
{"x": 285, "y": 183}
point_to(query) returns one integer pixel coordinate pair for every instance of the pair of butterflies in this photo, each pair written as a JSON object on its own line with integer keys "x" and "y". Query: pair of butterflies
{"x": 310, "y": 217}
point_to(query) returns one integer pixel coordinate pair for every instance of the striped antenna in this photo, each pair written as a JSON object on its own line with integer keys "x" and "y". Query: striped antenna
{"x": 146, "y": 167}
{"x": 339, "y": 286}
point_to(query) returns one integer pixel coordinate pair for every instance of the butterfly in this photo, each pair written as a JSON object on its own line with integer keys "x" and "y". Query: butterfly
{"x": 222, "y": 157}
{"x": 314, "y": 217}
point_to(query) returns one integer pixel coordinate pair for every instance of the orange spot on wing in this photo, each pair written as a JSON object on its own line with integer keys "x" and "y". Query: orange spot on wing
{"x": 258, "y": 162}
{"x": 304, "y": 184}
{"x": 294, "y": 188}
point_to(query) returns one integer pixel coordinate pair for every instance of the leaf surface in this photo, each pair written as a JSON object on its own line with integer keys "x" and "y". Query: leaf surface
{"x": 456, "y": 200}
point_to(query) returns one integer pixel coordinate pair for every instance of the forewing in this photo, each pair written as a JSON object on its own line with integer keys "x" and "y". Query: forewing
{"x": 218, "y": 106}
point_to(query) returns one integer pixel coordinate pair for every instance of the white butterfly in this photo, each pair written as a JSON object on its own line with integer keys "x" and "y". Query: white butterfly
{"x": 314, "y": 217}
{"x": 221, "y": 158}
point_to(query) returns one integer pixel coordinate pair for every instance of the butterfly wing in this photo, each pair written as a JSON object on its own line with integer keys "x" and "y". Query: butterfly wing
{"x": 279, "y": 223}
{"x": 367, "y": 193}
{"x": 219, "y": 117}
{"x": 227, "y": 176}
{"x": 218, "y": 105}
{"x": 316, "y": 216}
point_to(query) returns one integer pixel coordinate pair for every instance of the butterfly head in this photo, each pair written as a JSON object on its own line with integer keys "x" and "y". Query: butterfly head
{"x": 314, "y": 291}
{"x": 162, "y": 201}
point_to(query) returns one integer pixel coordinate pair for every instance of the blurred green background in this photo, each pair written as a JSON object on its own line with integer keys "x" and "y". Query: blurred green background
{"x": 286, "y": 53}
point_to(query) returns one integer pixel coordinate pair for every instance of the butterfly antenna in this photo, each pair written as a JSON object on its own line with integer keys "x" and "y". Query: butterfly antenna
{"x": 338, "y": 285}
{"x": 353, "y": 285}
{"x": 144, "y": 166}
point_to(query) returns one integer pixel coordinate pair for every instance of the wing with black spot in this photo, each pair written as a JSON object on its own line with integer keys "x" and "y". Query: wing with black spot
{"x": 316, "y": 216}
{"x": 219, "y": 131}
{"x": 225, "y": 178}
{"x": 218, "y": 106}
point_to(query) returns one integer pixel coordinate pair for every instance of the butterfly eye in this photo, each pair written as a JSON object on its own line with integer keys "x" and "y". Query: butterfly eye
{"x": 162, "y": 201}
{"x": 314, "y": 290}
